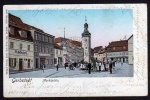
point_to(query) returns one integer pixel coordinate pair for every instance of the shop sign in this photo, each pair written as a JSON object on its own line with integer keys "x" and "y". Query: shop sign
{"x": 43, "y": 54}
{"x": 21, "y": 52}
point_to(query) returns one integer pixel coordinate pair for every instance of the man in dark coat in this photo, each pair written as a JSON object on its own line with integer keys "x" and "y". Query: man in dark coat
{"x": 110, "y": 67}
{"x": 57, "y": 67}
{"x": 89, "y": 68}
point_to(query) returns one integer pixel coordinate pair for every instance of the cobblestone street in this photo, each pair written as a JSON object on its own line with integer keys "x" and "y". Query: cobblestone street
{"x": 120, "y": 71}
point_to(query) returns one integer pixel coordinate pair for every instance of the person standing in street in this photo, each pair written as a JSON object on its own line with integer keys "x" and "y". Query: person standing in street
{"x": 99, "y": 64}
{"x": 65, "y": 65}
{"x": 110, "y": 67}
{"x": 104, "y": 66}
{"x": 89, "y": 68}
{"x": 57, "y": 67}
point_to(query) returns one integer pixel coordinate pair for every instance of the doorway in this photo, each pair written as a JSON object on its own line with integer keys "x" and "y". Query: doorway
{"x": 37, "y": 63}
{"x": 20, "y": 64}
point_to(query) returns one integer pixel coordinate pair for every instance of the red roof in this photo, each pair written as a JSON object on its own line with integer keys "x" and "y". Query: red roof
{"x": 60, "y": 39}
{"x": 97, "y": 49}
{"x": 18, "y": 25}
{"x": 56, "y": 46}
{"x": 117, "y": 46}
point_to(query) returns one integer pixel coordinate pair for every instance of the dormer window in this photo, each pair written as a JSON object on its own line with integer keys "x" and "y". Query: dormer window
{"x": 11, "y": 30}
{"x": 23, "y": 33}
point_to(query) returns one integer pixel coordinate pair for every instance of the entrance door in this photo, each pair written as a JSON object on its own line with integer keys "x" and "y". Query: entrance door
{"x": 28, "y": 63}
{"x": 20, "y": 64}
{"x": 37, "y": 63}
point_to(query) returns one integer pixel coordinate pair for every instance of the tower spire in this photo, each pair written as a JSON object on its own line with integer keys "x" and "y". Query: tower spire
{"x": 85, "y": 19}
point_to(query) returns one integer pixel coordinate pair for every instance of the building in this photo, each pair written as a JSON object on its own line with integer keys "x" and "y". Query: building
{"x": 130, "y": 50}
{"x": 72, "y": 50}
{"x": 21, "y": 51}
{"x": 43, "y": 48}
{"x": 86, "y": 43}
{"x": 58, "y": 60}
{"x": 96, "y": 52}
{"x": 117, "y": 50}
{"x": 102, "y": 55}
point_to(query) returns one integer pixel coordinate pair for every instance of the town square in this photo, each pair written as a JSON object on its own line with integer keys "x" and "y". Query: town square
{"x": 70, "y": 44}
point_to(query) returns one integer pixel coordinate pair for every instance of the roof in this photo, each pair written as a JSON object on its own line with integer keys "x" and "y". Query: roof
{"x": 17, "y": 22}
{"x": 130, "y": 36}
{"x": 29, "y": 27}
{"x": 60, "y": 39}
{"x": 56, "y": 46}
{"x": 118, "y": 46}
{"x": 97, "y": 49}
{"x": 19, "y": 25}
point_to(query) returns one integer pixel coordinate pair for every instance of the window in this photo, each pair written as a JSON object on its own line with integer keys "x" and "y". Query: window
{"x": 46, "y": 39}
{"x": 47, "y": 50}
{"x": 36, "y": 48}
{"x": 85, "y": 40}
{"x": 12, "y": 45}
{"x": 51, "y": 50}
{"x": 50, "y": 40}
{"x": 39, "y": 36}
{"x": 40, "y": 49}
{"x": 42, "y": 37}
{"x": 47, "y": 61}
{"x": 36, "y": 36}
{"x": 24, "y": 34}
{"x": 43, "y": 49}
{"x": 56, "y": 51}
{"x": 29, "y": 47}
{"x": 51, "y": 61}
{"x": 12, "y": 62}
{"x": 55, "y": 60}
{"x": 20, "y": 46}
{"x": 11, "y": 30}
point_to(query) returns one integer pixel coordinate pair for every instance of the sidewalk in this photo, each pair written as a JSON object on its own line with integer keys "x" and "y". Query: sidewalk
{"x": 29, "y": 70}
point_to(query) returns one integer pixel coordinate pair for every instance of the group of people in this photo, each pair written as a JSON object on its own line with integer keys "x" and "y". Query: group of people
{"x": 99, "y": 64}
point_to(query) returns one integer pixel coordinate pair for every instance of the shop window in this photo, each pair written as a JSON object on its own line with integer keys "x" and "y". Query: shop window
{"x": 20, "y": 46}
{"x": 11, "y": 45}
{"x": 55, "y": 60}
{"x": 12, "y": 62}
{"x": 28, "y": 47}
{"x": 51, "y": 62}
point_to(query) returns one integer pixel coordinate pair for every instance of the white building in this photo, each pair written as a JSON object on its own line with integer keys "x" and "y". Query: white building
{"x": 72, "y": 50}
{"x": 117, "y": 50}
{"x": 130, "y": 50}
{"x": 58, "y": 50}
{"x": 21, "y": 52}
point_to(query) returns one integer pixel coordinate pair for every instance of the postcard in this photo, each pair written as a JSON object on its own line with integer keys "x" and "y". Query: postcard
{"x": 79, "y": 50}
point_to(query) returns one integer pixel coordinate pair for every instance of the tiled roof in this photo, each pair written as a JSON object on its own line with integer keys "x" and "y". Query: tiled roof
{"x": 117, "y": 46}
{"x": 97, "y": 49}
{"x": 17, "y": 22}
{"x": 60, "y": 39}
{"x": 18, "y": 25}
{"x": 56, "y": 46}
{"x": 29, "y": 27}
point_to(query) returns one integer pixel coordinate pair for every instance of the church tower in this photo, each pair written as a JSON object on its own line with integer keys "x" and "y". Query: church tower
{"x": 86, "y": 43}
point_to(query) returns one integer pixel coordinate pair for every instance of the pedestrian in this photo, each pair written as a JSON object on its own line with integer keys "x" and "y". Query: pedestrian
{"x": 99, "y": 64}
{"x": 104, "y": 66}
{"x": 65, "y": 65}
{"x": 57, "y": 67}
{"x": 89, "y": 68}
{"x": 43, "y": 67}
{"x": 121, "y": 63}
{"x": 110, "y": 67}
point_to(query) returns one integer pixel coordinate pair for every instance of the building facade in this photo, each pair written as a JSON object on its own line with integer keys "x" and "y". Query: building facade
{"x": 58, "y": 60}
{"x": 21, "y": 51}
{"x": 43, "y": 48}
{"x": 118, "y": 51}
{"x": 130, "y": 50}
{"x": 72, "y": 50}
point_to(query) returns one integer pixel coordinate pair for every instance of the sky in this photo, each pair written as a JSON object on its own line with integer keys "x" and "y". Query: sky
{"x": 105, "y": 25}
